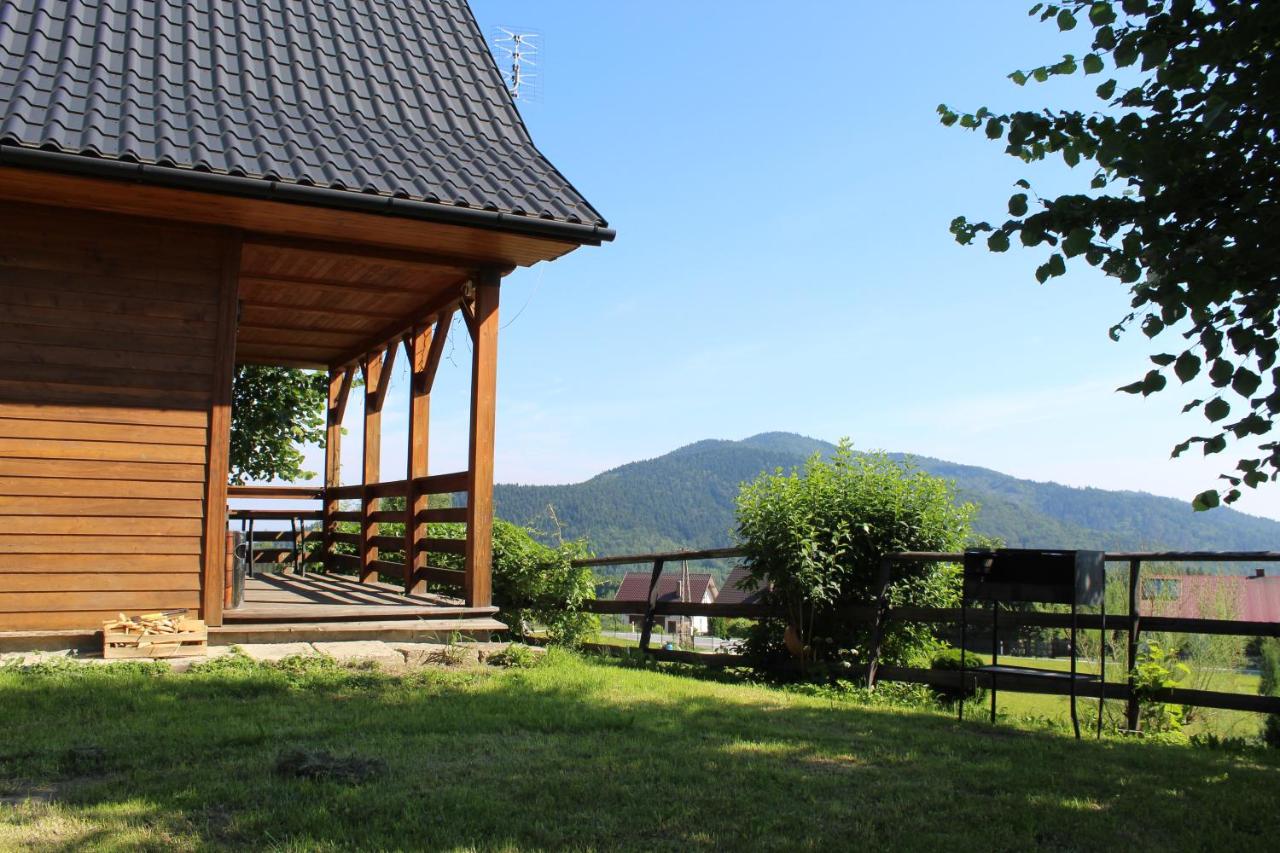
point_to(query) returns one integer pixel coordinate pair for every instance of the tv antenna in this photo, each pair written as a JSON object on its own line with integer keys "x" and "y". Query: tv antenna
{"x": 518, "y": 60}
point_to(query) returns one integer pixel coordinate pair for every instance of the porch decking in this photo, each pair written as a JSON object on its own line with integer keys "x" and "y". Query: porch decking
{"x": 290, "y": 597}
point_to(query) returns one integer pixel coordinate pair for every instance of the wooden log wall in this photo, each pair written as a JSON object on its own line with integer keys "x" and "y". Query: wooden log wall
{"x": 110, "y": 339}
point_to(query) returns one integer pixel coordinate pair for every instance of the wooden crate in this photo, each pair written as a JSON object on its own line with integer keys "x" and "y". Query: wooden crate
{"x": 192, "y": 641}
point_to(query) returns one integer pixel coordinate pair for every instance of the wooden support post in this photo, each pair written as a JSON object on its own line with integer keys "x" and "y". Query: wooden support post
{"x": 339, "y": 393}
{"x": 484, "y": 377}
{"x": 417, "y": 347}
{"x": 646, "y": 627}
{"x": 376, "y": 368}
{"x": 219, "y": 452}
{"x": 1131, "y": 709}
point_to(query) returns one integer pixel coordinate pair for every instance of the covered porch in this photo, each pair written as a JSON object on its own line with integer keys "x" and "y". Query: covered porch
{"x": 357, "y": 312}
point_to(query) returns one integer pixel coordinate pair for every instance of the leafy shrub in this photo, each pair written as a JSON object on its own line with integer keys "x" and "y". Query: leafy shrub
{"x": 818, "y": 535}
{"x": 534, "y": 584}
{"x": 949, "y": 659}
{"x": 1269, "y": 663}
{"x": 730, "y": 628}
{"x": 1158, "y": 669}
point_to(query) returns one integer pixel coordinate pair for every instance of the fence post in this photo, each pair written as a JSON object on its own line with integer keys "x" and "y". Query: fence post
{"x": 646, "y": 629}
{"x": 1131, "y": 709}
{"x": 882, "y": 613}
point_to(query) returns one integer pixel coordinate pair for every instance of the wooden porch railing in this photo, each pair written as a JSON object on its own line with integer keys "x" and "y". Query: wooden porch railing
{"x": 374, "y": 554}
{"x": 872, "y": 614}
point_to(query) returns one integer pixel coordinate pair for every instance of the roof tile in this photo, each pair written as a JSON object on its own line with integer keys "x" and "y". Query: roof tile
{"x": 399, "y": 98}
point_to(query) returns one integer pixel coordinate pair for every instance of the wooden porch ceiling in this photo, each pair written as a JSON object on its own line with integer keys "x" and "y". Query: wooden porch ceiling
{"x": 315, "y": 305}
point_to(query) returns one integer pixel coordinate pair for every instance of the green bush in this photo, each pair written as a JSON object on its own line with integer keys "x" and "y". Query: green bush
{"x": 1269, "y": 663}
{"x": 730, "y": 628}
{"x": 949, "y": 659}
{"x": 818, "y": 535}
{"x": 534, "y": 584}
{"x": 1158, "y": 669}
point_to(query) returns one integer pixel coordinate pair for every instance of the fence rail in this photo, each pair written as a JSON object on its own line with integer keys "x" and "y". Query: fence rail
{"x": 1133, "y": 623}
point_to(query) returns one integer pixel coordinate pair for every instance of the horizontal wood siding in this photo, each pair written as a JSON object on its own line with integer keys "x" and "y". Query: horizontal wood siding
{"x": 107, "y": 337}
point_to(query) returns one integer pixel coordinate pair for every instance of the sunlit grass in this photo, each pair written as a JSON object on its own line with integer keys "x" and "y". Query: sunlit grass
{"x": 577, "y": 754}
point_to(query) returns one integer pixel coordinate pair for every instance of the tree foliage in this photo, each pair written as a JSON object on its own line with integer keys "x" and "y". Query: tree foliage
{"x": 1184, "y": 201}
{"x": 816, "y": 538}
{"x": 274, "y": 410}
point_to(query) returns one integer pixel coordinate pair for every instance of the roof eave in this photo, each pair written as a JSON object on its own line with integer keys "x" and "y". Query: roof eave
{"x": 212, "y": 182}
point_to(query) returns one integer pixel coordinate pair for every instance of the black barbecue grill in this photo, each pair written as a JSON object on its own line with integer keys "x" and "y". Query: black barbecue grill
{"x": 1019, "y": 575}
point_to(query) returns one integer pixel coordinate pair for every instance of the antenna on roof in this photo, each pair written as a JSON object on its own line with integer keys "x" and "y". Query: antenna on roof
{"x": 517, "y": 52}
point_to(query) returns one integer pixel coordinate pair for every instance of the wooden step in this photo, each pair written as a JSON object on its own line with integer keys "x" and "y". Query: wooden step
{"x": 397, "y": 630}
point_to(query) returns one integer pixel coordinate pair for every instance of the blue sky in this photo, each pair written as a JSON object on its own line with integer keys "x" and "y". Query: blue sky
{"x": 782, "y": 189}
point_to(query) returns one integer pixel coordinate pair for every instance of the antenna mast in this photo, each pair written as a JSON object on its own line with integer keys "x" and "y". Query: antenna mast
{"x": 518, "y": 60}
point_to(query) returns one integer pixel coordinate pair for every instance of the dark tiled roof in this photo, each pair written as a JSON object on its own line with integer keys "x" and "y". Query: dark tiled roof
{"x": 733, "y": 591}
{"x": 398, "y": 99}
{"x": 635, "y": 587}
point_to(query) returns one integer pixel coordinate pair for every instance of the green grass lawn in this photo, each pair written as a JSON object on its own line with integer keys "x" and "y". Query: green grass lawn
{"x": 578, "y": 754}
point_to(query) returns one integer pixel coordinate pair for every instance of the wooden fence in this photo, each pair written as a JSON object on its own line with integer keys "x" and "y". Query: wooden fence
{"x": 880, "y": 614}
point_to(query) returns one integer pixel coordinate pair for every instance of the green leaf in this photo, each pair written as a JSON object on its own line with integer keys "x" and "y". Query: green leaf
{"x": 1245, "y": 382}
{"x": 1187, "y": 366}
{"x": 1194, "y": 404}
{"x": 1107, "y": 90}
{"x": 1019, "y": 77}
{"x": 1131, "y": 388}
{"x": 1164, "y": 359}
{"x": 1217, "y": 444}
{"x": 1077, "y": 242}
{"x": 1217, "y": 409}
{"x": 1101, "y": 14}
{"x": 1153, "y": 382}
{"x": 1205, "y": 500}
{"x": 1092, "y": 64}
{"x": 998, "y": 242}
{"x": 1221, "y": 373}
{"x": 1125, "y": 53}
{"x": 994, "y": 129}
{"x": 1066, "y": 20}
{"x": 1018, "y": 205}
{"x": 1057, "y": 266}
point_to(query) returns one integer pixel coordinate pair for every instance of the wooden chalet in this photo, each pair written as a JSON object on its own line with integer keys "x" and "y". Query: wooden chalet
{"x": 186, "y": 186}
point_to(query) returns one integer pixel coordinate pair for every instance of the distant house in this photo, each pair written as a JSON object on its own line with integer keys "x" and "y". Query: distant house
{"x": 671, "y": 587}
{"x": 739, "y": 588}
{"x": 1249, "y": 598}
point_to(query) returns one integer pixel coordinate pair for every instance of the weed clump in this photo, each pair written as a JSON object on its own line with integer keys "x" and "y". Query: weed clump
{"x": 319, "y": 765}
{"x": 514, "y": 656}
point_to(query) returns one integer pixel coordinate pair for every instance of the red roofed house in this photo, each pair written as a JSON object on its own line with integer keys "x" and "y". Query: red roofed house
{"x": 1249, "y": 598}
{"x": 701, "y": 588}
{"x": 740, "y": 589}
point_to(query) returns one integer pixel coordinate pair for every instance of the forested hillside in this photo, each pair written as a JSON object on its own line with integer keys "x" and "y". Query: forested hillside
{"x": 685, "y": 500}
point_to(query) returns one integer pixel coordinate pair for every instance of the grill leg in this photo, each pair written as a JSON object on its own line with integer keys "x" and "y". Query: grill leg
{"x": 995, "y": 653}
{"x": 1075, "y": 719}
{"x": 1102, "y": 657}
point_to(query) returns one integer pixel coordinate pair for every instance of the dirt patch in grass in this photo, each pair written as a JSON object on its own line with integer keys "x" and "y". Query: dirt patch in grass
{"x": 325, "y": 766}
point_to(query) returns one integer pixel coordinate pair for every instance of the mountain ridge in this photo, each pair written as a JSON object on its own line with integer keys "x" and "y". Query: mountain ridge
{"x": 684, "y": 499}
